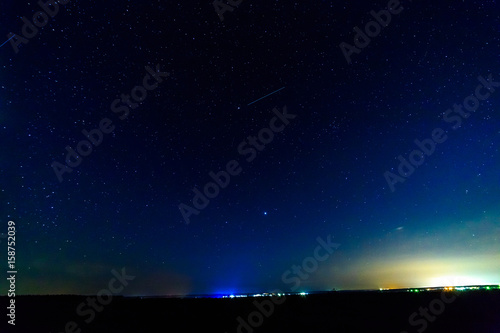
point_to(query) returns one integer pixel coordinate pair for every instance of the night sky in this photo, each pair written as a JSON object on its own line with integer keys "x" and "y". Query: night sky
{"x": 328, "y": 169}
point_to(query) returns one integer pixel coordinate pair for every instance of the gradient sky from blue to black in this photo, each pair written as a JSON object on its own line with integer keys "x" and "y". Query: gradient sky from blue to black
{"x": 323, "y": 175}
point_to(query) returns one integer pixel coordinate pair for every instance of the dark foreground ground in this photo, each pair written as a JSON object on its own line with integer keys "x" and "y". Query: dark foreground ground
{"x": 472, "y": 311}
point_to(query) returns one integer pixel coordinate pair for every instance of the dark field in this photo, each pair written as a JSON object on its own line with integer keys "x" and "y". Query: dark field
{"x": 471, "y": 311}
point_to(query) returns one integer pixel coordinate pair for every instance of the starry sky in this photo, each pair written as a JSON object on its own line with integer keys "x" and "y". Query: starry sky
{"x": 324, "y": 174}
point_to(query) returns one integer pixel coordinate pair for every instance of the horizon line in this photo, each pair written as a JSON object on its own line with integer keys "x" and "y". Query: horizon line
{"x": 265, "y": 293}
